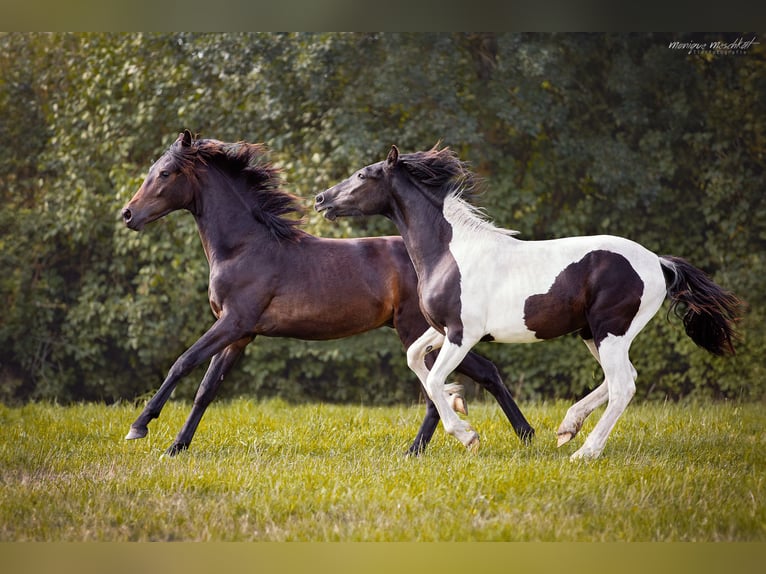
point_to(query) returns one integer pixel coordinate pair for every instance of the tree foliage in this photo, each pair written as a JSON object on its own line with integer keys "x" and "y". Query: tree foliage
{"x": 574, "y": 134}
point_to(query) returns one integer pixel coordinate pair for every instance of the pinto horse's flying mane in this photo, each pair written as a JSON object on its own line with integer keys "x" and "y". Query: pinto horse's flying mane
{"x": 441, "y": 170}
{"x": 446, "y": 175}
{"x": 268, "y": 202}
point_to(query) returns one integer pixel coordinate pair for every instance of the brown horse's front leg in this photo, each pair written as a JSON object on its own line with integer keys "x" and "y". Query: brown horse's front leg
{"x": 219, "y": 336}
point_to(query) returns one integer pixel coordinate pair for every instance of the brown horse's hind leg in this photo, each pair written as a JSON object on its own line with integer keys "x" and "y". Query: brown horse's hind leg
{"x": 220, "y": 365}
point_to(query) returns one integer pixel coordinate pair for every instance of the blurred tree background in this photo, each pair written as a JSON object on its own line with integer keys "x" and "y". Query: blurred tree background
{"x": 574, "y": 134}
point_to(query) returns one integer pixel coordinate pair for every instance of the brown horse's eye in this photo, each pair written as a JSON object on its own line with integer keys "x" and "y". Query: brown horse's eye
{"x": 164, "y": 173}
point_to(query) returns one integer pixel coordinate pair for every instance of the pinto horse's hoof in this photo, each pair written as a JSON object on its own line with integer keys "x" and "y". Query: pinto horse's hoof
{"x": 585, "y": 453}
{"x": 473, "y": 444}
{"x": 564, "y": 438}
{"x": 135, "y": 433}
{"x": 454, "y": 394}
{"x": 459, "y": 405}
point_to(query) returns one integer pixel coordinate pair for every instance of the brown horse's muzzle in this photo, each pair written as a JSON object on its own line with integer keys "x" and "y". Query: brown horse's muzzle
{"x": 130, "y": 220}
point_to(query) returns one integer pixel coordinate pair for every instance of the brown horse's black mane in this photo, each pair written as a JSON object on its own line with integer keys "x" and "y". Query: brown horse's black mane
{"x": 268, "y": 202}
{"x": 441, "y": 170}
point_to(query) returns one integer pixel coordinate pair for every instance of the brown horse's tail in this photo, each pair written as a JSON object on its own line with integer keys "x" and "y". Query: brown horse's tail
{"x": 709, "y": 312}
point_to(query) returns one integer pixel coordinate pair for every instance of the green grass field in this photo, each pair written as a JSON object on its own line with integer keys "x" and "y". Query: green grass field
{"x": 271, "y": 471}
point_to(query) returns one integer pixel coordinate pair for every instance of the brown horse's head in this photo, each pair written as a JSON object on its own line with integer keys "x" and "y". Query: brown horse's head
{"x": 168, "y": 186}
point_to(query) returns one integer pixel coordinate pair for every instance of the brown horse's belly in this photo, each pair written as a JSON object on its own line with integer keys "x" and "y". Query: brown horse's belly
{"x": 310, "y": 320}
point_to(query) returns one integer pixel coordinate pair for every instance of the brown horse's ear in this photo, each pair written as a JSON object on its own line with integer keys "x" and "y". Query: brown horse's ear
{"x": 185, "y": 138}
{"x": 393, "y": 156}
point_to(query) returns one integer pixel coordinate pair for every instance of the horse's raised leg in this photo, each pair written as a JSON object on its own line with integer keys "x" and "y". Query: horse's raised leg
{"x": 449, "y": 358}
{"x": 431, "y": 418}
{"x": 579, "y": 411}
{"x": 484, "y": 372}
{"x": 620, "y": 382}
{"x": 220, "y": 365}
{"x": 221, "y": 334}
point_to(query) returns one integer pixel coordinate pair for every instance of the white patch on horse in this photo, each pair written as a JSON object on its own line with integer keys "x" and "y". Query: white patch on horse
{"x": 494, "y": 301}
{"x": 469, "y": 218}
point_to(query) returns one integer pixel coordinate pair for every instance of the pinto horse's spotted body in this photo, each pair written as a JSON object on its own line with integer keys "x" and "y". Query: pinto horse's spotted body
{"x": 268, "y": 277}
{"x": 478, "y": 282}
{"x": 562, "y": 308}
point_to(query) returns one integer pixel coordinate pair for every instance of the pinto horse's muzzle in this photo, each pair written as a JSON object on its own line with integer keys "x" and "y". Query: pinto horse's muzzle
{"x": 324, "y": 206}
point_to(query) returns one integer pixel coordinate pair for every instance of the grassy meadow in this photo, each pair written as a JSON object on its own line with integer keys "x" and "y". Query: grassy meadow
{"x": 272, "y": 471}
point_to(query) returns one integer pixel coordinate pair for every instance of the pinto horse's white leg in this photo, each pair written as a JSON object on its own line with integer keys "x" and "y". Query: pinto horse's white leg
{"x": 579, "y": 411}
{"x": 449, "y": 358}
{"x": 432, "y": 340}
{"x": 620, "y": 381}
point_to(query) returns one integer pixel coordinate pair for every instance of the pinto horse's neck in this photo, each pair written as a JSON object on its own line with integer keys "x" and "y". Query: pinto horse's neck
{"x": 427, "y": 235}
{"x": 224, "y": 219}
{"x": 421, "y": 223}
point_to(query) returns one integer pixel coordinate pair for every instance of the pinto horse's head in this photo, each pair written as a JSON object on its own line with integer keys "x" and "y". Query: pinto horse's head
{"x": 167, "y": 186}
{"x": 366, "y": 192}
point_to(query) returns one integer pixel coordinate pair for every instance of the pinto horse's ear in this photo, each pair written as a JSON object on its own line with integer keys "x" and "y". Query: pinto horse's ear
{"x": 393, "y": 156}
{"x": 185, "y": 138}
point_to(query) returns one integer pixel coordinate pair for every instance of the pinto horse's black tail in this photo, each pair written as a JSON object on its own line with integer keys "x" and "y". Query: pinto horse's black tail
{"x": 709, "y": 313}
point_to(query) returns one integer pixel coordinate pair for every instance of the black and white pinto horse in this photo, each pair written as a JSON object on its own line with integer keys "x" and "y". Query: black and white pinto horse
{"x": 479, "y": 283}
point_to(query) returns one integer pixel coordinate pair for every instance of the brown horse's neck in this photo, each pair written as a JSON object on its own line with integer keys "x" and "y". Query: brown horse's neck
{"x": 224, "y": 219}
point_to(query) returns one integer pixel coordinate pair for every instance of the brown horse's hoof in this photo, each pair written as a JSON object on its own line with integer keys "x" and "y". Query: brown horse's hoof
{"x": 135, "y": 433}
{"x": 175, "y": 449}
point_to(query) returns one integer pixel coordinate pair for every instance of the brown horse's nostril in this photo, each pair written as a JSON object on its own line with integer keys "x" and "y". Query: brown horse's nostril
{"x": 126, "y": 215}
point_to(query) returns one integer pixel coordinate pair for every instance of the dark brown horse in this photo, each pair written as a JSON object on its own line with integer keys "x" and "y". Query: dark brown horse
{"x": 268, "y": 277}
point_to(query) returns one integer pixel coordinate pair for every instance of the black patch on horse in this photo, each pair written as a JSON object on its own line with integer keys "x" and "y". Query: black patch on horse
{"x": 441, "y": 299}
{"x": 598, "y": 295}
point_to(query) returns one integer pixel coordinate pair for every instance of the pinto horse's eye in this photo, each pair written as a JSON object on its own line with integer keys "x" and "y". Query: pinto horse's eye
{"x": 361, "y": 176}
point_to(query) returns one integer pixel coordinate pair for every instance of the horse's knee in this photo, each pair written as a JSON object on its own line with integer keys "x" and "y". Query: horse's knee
{"x": 415, "y": 360}
{"x": 434, "y": 386}
{"x": 621, "y": 392}
{"x": 180, "y": 368}
{"x": 416, "y": 355}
